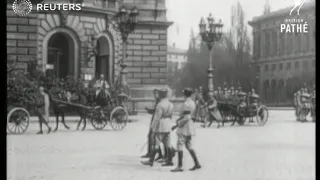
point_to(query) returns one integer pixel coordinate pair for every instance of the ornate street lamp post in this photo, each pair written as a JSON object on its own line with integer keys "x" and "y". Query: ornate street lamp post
{"x": 126, "y": 20}
{"x": 210, "y": 35}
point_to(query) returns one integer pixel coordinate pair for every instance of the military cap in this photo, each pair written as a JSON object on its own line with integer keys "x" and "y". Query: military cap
{"x": 187, "y": 90}
{"x": 242, "y": 93}
{"x": 219, "y": 87}
{"x": 232, "y": 88}
{"x": 164, "y": 90}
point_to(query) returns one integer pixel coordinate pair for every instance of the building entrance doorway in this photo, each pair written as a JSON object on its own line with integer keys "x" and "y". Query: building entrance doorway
{"x": 102, "y": 62}
{"x": 60, "y": 55}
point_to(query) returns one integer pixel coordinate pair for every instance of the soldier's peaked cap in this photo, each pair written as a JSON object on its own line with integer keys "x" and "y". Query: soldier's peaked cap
{"x": 187, "y": 90}
{"x": 163, "y": 90}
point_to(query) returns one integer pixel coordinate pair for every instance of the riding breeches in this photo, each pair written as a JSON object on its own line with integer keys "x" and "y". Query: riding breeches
{"x": 162, "y": 138}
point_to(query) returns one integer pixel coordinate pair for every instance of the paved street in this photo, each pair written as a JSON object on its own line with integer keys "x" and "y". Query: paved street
{"x": 281, "y": 150}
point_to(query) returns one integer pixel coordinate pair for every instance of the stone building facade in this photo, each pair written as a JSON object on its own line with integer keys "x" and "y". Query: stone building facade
{"x": 62, "y": 39}
{"x": 284, "y": 61}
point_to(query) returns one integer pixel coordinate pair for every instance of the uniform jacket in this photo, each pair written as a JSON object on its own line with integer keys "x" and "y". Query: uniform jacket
{"x": 185, "y": 124}
{"x": 161, "y": 121}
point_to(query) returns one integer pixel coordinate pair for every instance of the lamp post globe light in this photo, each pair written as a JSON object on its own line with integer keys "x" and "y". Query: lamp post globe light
{"x": 210, "y": 35}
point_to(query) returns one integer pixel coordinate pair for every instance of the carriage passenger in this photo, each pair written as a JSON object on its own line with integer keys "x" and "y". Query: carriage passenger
{"x": 242, "y": 96}
{"x": 102, "y": 84}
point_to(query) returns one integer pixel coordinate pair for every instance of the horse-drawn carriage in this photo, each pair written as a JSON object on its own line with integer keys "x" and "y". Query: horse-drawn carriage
{"x": 242, "y": 107}
{"x": 100, "y": 108}
{"x": 20, "y": 101}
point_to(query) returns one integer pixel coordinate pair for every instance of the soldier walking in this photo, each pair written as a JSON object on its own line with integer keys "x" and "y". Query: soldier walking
{"x": 161, "y": 126}
{"x": 151, "y": 137}
{"x": 43, "y": 110}
{"x": 186, "y": 131}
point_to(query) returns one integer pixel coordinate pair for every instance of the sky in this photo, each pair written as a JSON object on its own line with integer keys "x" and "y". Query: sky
{"x": 186, "y": 14}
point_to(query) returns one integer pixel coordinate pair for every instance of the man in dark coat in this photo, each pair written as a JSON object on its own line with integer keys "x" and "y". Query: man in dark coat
{"x": 151, "y": 139}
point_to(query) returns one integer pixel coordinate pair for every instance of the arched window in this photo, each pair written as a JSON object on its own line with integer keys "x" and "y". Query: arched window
{"x": 282, "y": 44}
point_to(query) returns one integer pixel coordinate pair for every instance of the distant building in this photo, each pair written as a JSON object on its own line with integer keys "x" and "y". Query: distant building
{"x": 176, "y": 57}
{"x": 284, "y": 61}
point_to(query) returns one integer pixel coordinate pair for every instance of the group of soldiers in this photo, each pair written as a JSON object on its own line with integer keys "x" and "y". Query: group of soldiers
{"x": 161, "y": 126}
{"x": 232, "y": 95}
{"x": 304, "y": 101}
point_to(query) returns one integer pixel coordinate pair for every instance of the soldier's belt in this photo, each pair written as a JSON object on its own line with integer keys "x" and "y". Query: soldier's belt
{"x": 164, "y": 117}
{"x": 186, "y": 112}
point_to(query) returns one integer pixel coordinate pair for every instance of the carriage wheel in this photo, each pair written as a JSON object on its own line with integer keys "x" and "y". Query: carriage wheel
{"x": 118, "y": 118}
{"x": 18, "y": 120}
{"x": 262, "y": 115}
{"x": 97, "y": 121}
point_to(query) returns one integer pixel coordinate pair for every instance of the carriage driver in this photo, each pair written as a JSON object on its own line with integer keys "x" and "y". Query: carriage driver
{"x": 102, "y": 84}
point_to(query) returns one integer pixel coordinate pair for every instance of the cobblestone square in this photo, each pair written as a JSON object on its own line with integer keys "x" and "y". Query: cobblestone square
{"x": 281, "y": 150}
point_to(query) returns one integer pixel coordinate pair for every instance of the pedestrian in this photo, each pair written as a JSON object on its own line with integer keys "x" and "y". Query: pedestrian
{"x": 43, "y": 109}
{"x": 161, "y": 126}
{"x": 151, "y": 137}
{"x": 186, "y": 131}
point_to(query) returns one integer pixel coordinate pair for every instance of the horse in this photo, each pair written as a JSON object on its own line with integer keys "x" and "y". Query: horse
{"x": 60, "y": 109}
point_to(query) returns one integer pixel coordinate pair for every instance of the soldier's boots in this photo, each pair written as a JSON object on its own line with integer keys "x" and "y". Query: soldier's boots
{"x": 179, "y": 167}
{"x": 160, "y": 155}
{"x": 168, "y": 158}
{"x": 195, "y": 159}
{"x": 149, "y": 151}
{"x": 151, "y": 160}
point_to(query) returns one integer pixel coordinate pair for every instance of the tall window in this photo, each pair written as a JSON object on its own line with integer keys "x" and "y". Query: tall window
{"x": 297, "y": 43}
{"x": 258, "y": 69}
{"x": 275, "y": 43}
{"x": 267, "y": 44}
{"x": 280, "y": 66}
{"x": 282, "y": 44}
{"x": 296, "y": 64}
{"x": 288, "y": 65}
{"x": 305, "y": 65}
{"x": 307, "y": 44}
{"x": 273, "y": 67}
{"x": 266, "y": 68}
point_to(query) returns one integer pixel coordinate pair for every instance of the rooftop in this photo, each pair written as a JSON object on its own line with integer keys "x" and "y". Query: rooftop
{"x": 174, "y": 50}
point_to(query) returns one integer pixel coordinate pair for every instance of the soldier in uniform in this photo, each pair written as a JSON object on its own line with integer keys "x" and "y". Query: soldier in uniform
{"x": 296, "y": 97}
{"x": 43, "y": 109}
{"x": 161, "y": 126}
{"x": 213, "y": 111}
{"x": 305, "y": 102}
{"x": 199, "y": 102}
{"x": 186, "y": 131}
{"x": 313, "y": 104}
{"x": 151, "y": 137}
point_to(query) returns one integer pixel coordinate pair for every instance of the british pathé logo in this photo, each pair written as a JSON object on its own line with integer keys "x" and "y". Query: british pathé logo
{"x": 22, "y": 7}
{"x": 294, "y": 25}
